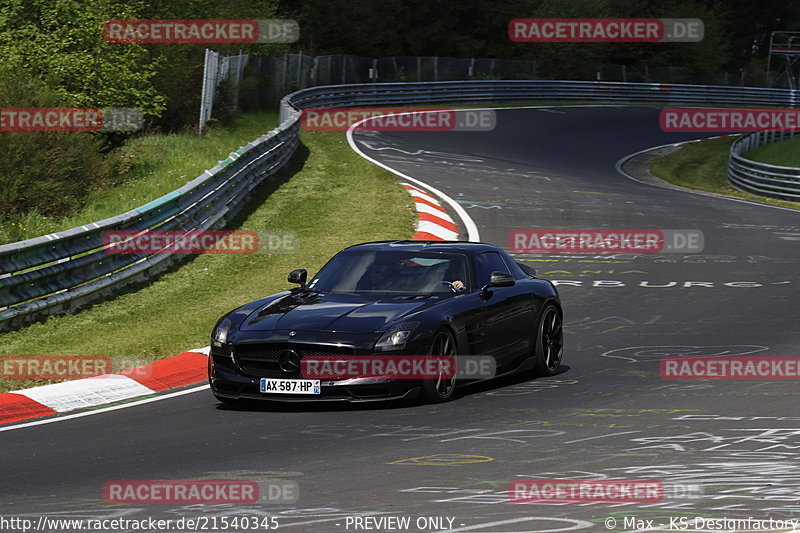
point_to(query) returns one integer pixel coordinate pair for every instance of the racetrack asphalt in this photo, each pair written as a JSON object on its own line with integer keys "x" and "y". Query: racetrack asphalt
{"x": 722, "y": 449}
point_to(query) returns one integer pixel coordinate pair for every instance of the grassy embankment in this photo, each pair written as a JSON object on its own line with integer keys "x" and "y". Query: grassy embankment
{"x": 704, "y": 166}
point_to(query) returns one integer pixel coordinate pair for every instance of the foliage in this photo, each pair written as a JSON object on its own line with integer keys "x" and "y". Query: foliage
{"x": 46, "y": 171}
{"x": 736, "y": 31}
{"x": 54, "y": 54}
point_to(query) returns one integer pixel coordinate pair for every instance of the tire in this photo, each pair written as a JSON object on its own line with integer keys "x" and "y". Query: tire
{"x": 549, "y": 341}
{"x": 441, "y": 389}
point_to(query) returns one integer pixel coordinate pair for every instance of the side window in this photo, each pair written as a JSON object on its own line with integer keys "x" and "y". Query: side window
{"x": 485, "y": 264}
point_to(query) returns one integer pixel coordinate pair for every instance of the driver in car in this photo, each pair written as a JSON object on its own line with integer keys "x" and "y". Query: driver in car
{"x": 457, "y": 285}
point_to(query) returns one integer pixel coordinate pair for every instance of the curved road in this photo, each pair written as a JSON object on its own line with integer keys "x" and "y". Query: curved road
{"x": 721, "y": 448}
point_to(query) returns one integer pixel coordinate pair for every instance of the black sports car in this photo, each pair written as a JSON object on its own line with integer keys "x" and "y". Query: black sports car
{"x": 380, "y": 299}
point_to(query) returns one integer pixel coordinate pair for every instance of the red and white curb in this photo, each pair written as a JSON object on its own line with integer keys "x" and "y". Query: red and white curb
{"x": 433, "y": 222}
{"x": 708, "y": 138}
{"x": 187, "y": 368}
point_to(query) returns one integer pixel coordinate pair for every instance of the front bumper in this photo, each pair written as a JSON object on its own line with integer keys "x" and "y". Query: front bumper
{"x": 235, "y": 371}
{"x": 226, "y": 384}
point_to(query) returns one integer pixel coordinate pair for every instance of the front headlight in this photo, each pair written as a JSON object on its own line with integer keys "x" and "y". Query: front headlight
{"x": 220, "y": 335}
{"x": 395, "y": 337}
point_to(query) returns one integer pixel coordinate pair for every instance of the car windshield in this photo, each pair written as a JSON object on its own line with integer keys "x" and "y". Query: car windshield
{"x": 393, "y": 272}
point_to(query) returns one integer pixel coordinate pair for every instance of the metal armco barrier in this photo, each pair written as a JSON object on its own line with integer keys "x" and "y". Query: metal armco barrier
{"x": 763, "y": 179}
{"x": 63, "y": 272}
{"x": 536, "y": 90}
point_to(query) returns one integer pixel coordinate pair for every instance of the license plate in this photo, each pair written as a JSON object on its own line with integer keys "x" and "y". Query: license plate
{"x": 290, "y": 386}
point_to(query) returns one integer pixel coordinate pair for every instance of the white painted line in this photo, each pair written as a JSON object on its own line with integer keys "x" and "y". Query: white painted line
{"x": 71, "y": 395}
{"x": 103, "y": 410}
{"x": 678, "y": 188}
{"x": 472, "y": 229}
{"x": 600, "y": 436}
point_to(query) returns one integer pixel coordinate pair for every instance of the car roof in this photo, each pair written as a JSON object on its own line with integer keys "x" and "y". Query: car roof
{"x": 469, "y": 248}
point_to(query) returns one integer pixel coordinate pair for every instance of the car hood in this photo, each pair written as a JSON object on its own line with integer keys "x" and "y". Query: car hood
{"x": 333, "y": 312}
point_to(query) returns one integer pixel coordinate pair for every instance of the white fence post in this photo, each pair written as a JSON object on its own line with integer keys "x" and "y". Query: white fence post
{"x": 210, "y": 81}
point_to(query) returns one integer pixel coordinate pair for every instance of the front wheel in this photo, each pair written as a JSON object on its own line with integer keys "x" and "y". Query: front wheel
{"x": 441, "y": 388}
{"x": 549, "y": 342}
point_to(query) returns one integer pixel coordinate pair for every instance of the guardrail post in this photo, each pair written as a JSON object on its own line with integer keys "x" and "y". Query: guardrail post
{"x": 373, "y": 72}
{"x": 207, "y": 94}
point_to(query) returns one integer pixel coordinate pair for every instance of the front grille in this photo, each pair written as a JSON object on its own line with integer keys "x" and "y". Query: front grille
{"x": 262, "y": 360}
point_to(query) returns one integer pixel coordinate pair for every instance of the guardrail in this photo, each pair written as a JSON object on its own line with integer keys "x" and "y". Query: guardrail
{"x": 535, "y": 90}
{"x": 763, "y": 179}
{"x": 63, "y": 272}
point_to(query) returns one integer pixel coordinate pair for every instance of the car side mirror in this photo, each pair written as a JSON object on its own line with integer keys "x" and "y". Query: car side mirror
{"x": 498, "y": 279}
{"x": 298, "y": 276}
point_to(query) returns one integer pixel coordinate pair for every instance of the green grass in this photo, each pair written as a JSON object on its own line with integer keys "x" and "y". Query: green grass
{"x": 782, "y": 153}
{"x": 157, "y": 164}
{"x": 704, "y": 166}
{"x": 330, "y": 197}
